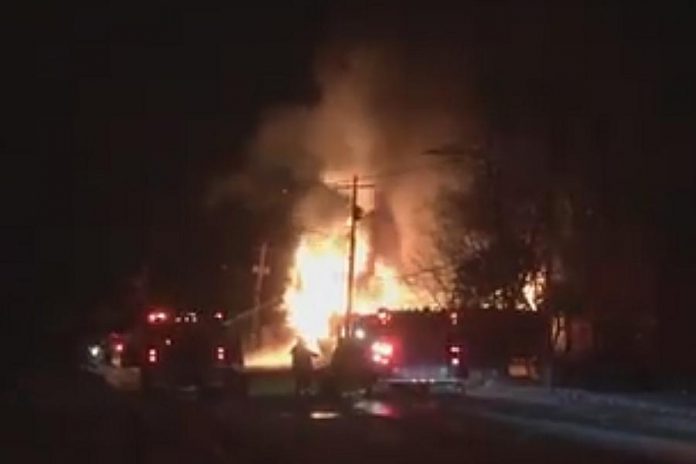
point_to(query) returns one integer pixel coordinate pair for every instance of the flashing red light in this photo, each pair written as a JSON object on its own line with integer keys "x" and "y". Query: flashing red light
{"x": 383, "y": 348}
{"x": 152, "y": 355}
{"x": 157, "y": 316}
{"x": 118, "y": 347}
{"x": 382, "y": 352}
{"x": 220, "y": 353}
{"x": 218, "y": 315}
{"x": 455, "y": 349}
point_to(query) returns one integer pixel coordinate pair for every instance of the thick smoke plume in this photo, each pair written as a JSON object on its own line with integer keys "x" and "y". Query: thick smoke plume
{"x": 382, "y": 106}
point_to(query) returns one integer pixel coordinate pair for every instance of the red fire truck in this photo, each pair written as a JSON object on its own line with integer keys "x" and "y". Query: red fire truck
{"x": 419, "y": 348}
{"x": 183, "y": 348}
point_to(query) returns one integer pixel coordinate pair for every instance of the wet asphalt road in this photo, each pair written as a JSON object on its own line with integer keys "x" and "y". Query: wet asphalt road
{"x": 393, "y": 429}
{"x": 86, "y": 421}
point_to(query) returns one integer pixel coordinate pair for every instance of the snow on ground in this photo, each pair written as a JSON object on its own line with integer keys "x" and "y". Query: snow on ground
{"x": 645, "y": 446}
{"x": 660, "y": 423}
{"x": 669, "y": 404}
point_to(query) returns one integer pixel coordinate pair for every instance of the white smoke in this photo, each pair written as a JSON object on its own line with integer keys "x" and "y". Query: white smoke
{"x": 381, "y": 108}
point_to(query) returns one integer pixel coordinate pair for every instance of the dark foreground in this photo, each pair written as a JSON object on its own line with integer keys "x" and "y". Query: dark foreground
{"x": 75, "y": 418}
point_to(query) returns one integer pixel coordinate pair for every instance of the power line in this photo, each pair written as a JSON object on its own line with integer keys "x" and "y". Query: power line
{"x": 387, "y": 173}
{"x": 403, "y": 170}
{"x": 249, "y": 313}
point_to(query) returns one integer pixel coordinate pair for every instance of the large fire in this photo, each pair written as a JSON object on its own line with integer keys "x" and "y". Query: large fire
{"x": 317, "y": 295}
{"x": 315, "y": 299}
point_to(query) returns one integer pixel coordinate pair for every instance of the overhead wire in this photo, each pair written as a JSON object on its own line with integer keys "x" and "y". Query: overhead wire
{"x": 390, "y": 173}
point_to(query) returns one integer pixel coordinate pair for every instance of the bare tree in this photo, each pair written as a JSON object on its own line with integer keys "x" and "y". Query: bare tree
{"x": 488, "y": 239}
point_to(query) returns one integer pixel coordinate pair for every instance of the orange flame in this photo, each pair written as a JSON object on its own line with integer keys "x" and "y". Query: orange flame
{"x": 317, "y": 294}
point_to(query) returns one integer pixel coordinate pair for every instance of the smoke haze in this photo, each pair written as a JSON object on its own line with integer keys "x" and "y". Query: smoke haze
{"x": 381, "y": 107}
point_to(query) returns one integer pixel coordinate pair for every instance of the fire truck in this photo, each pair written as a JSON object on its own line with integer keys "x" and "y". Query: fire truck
{"x": 183, "y": 348}
{"x": 407, "y": 348}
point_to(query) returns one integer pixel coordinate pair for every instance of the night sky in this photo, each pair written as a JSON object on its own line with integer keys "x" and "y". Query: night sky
{"x": 122, "y": 114}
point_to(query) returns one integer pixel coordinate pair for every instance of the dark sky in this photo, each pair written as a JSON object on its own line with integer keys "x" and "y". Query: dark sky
{"x": 121, "y": 113}
{"x": 166, "y": 99}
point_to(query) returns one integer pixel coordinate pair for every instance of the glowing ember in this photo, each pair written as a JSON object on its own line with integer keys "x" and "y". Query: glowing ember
{"x": 533, "y": 289}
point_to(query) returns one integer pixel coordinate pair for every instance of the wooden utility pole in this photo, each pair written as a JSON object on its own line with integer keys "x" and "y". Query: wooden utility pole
{"x": 351, "y": 255}
{"x": 261, "y": 270}
{"x": 354, "y": 187}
